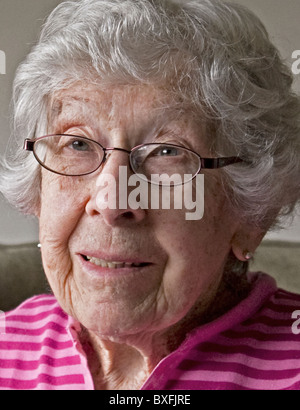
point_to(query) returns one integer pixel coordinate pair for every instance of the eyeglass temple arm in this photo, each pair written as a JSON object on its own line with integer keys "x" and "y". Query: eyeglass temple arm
{"x": 212, "y": 163}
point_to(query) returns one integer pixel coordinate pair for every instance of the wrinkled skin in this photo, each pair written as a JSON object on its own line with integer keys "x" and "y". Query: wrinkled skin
{"x": 132, "y": 317}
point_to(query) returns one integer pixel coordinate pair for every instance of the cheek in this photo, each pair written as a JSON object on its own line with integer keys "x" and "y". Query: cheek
{"x": 197, "y": 251}
{"x": 196, "y": 245}
{"x": 62, "y": 205}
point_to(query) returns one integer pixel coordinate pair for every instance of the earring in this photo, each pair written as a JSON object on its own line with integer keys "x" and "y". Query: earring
{"x": 248, "y": 255}
{"x": 39, "y": 245}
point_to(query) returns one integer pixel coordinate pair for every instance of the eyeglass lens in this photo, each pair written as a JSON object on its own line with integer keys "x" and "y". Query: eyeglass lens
{"x": 68, "y": 155}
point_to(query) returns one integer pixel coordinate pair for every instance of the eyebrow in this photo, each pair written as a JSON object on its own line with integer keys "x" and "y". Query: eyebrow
{"x": 58, "y": 102}
{"x": 58, "y": 110}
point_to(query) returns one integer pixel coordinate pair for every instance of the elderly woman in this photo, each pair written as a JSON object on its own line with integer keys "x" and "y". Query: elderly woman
{"x": 143, "y": 297}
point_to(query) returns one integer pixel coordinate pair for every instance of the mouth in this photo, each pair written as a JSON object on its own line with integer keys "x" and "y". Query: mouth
{"x": 113, "y": 264}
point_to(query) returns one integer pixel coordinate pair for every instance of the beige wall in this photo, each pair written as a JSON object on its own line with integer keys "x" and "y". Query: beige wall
{"x": 20, "y": 21}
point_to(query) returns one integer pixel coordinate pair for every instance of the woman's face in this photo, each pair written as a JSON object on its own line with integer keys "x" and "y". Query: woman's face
{"x": 167, "y": 265}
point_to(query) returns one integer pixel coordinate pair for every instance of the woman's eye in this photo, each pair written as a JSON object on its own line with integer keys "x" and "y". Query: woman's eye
{"x": 79, "y": 145}
{"x": 167, "y": 152}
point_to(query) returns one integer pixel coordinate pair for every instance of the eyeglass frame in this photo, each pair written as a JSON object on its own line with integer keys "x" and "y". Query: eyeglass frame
{"x": 204, "y": 163}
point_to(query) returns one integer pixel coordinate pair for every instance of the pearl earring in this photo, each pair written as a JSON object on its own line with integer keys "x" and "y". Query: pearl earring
{"x": 248, "y": 255}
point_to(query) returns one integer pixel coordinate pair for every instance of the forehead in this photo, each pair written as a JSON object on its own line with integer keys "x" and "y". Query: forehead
{"x": 133, "y": 108}
{"x": 112, "y": 102}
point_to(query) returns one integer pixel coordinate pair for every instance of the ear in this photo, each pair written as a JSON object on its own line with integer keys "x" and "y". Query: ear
{"x": 246, "y": 240}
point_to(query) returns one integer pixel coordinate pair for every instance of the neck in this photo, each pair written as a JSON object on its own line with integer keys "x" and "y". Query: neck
{"x": 126, "y": 364}
{"x": 121, "y": 365}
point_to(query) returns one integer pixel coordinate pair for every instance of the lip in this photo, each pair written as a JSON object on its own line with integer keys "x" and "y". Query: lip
{"x": 114, "y": 257}
{"x": 92, "y": 268}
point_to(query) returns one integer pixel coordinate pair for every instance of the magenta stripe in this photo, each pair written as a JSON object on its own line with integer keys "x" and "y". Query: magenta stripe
{"x": 35, "y": 332}
{"x": 42, "y": 379}
{"x": 35, "y": 318}
{"x": 282, "y": 309}
{"x": 238, "y": 368}
{"x": 260, "y": 336}
{"x": 295, "y": 386}
{"x": 43, "y": 360}
{"x": 269, "y": 321}
{"x": 283, "y": 294}
{"x": 40, "y": 303}
{"x": 28, "y": 346}
{"x": 202, "y": 385}
{"x": 250, "y": 351}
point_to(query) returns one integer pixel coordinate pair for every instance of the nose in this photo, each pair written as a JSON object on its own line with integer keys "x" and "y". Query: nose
{"x": 109, "y": 195}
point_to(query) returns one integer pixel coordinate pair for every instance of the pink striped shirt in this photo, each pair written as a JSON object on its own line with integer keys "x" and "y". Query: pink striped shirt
{"x": 254, "y": 346}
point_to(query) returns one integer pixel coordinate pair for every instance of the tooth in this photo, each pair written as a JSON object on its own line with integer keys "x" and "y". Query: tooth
{"x": 111, "y": 265}
{"x": 119, "y": 264}
{"x": 96, "y": 261}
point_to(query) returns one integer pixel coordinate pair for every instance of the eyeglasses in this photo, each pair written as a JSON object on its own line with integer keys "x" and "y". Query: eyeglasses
{"x": 72, "y": 155}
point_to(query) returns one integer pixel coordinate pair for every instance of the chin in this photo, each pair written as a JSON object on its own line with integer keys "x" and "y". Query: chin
{"x": 113, "y": 322}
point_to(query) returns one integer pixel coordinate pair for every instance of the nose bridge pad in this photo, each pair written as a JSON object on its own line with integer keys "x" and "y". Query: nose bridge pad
{"x": 108, "y": 152}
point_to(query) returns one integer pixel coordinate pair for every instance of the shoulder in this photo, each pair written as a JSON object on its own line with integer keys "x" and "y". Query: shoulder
{"x": 274, "y": 322}
{"x": 33, "y": 317}
{"x": 37, "y": 323}
{"x": 263, "y": 351}
{"x": 279, "y": 314}
{"x": 253, "y": 347}
{"x": 35, "y": 345}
